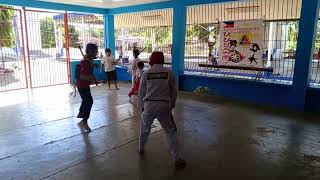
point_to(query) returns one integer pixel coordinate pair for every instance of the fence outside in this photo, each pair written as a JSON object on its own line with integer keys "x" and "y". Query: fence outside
{"x": 315, "y": 67}
{"x": 281, "y": 24}
{"x": 146, "y": 31}
{"x": 46, "y": 43}
{"x": 36, "y": 46}
{"x": 13, "y": 74}
{"x": 84, "y": 29}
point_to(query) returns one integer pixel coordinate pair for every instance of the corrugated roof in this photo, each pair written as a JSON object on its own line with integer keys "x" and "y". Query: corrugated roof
{"x": 145, "y": 19}
{"x": 256, "y": 9}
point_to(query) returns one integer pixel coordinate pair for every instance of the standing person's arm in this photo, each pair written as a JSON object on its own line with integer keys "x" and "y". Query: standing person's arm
{"x": 173, "y": 90}
{"x": 142, "y": 90}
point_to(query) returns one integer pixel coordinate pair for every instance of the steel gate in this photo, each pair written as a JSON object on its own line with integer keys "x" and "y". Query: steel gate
{"x": 13, "y": 74}
{"x": 47, "y": 48}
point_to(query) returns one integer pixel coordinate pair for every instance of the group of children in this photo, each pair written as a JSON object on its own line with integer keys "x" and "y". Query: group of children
{"x": 156, "y": 96}
{"x": 136, "y": 69}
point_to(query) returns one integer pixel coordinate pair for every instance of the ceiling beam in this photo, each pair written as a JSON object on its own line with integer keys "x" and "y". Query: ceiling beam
{"x": 163, "y": 5}
{"x": 142, "y": 7}
{"x": 53, "y": 6}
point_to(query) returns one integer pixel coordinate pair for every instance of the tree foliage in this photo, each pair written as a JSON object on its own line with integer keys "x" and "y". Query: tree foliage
{"x": 318, "y": 36}
{"x": 6, "y": 27}
{"x": 47, "y": 33}
{"x": 97, "y": 33}
{"x": 202, "y": 33}
{"x": 293, "y": 28}
{"x": 73, "y": 36}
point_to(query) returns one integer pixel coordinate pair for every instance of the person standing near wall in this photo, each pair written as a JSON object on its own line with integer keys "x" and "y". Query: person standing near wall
{"x": 134, "y": 65}
{"x": 83, "y": 85}
{"x": 213, "y": 53}
{"x": 157, "y": 97}
{"x": 109, "y": 64}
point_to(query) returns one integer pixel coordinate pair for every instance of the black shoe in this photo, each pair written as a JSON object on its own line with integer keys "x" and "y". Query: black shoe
{"x": 141, "y": 152}
{"x": 84, "y": 126}
{"x": 180, "y": 163}
{"x": 80, "y": 115}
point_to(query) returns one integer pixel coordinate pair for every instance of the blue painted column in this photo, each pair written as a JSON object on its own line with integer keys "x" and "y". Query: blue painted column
{"x": 303, "y": 62}
{"x": 178, "y": 41}
{"x": 109, "y": 38}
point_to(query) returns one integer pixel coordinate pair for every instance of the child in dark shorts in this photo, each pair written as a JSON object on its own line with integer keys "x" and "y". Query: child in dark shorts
{"x": 109, "y": 63}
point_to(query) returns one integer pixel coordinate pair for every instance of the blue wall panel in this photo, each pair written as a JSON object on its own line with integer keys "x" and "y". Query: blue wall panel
{"x": 178, "y": 39}
{"x": 313, "y": 100}
{"x": 277, "y": 95}
{"x": 304, "y": 52}
{"x": 109, "y": 33}
{"x": 122, "y": 72}
{"x": 247, "y": 91}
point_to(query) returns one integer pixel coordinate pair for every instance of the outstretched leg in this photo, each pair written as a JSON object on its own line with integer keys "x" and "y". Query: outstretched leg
{"x": 145, "y": 128}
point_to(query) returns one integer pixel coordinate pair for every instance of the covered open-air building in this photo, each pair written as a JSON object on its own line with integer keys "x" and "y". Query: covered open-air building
{"x": 247, "y": 74}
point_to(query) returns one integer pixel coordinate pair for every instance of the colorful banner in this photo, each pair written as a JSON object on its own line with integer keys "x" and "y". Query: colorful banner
{"x": 241, "y": 43}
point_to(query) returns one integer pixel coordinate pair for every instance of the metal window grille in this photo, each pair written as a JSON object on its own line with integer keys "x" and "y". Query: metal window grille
{"x": 44, "y": 37}
{"x": 281, "y": 22}
{"x": 150, "y": 30}
{"x": 36, "y": 45}
{"x": 84, "y": 29}
{"x": 315, "y": 71}
{"x": 13, "y": 73}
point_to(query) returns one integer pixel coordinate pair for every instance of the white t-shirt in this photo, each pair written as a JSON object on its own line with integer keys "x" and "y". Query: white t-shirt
{"x": 109, "y": 63}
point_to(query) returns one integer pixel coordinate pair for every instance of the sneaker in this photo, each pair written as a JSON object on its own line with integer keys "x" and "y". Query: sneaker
{"x": 180, "y": 163}
{"x": 86, "y": 127}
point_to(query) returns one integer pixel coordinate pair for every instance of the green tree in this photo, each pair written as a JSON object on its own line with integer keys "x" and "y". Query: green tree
{"x": 202, "y": 32}
{"x": 73, "y": 36}
{"x": 97, "y": 33}
{"x": 156, "y": 36}
{"x": 47, "y": 33}
{"x": 163, "y": 35}
{"x": 6, "y": 27}
{"x": 318, "y": 36}
{"x": 293, "y": 28}
{"x": 147, "y": 34}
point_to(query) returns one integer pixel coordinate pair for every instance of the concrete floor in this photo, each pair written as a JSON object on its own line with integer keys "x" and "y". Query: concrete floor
{"x": 220, "y": 139}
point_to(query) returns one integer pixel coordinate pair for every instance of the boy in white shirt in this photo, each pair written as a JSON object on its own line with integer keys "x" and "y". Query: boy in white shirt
{"x": 109, "y": 64}
{"x": 134, "y": 66}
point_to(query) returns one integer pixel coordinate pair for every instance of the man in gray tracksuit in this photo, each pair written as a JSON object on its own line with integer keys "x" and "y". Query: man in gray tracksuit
{"x": 157, "y": 97}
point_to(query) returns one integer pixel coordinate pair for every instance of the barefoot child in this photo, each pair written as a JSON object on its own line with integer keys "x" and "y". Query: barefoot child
{"x": 83, "y": 85}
